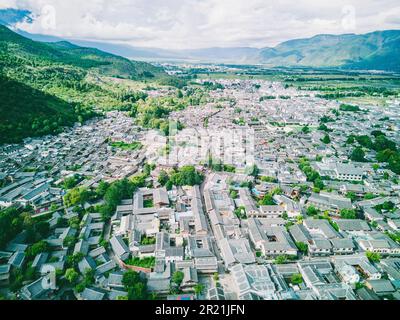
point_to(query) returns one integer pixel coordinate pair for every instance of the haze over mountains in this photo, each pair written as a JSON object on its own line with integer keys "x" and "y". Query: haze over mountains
{"x": 378, "y": 50}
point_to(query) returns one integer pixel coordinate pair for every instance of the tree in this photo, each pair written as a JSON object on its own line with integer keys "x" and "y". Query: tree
{"x": 350, "y": 140}
{"x": 369, "y": 196}
{"x": 229, "y": 168}
{"x": 240, "y": 213}
{"x": 296, "y": 279}
{"x": 43, "y": 228}
{"x": 349, "y": 108}
{"x": 74, "y": 222}
{"x": 326, "y": 139}
{"x": 326, "y": 119}
{"x": 267, "y": 200}
{"x": 102, "y": 189}
{"x": 187, "y": 176}
{"x": 385, "y": 155}
{"x": 30, "y": 273}
{"x": 177, "y": 277}
{"x": 310, "y": 173}
{"x": 306, "y": 129}
{"x": 80, "y": 287}
{"x": 348, "y": 214}
{"x": 138, "y": 291}
{"x": 351, "y": 195}
{"x": 364, "y": 141}
{"x": 69, "y": 241}
{"x": 276, "y": 191}
{"x": 11, "y": 223}
{"x": 373, "y": 257}
{"x": 54, "y": 207}
{"x": 319, "y": 184}
{"x": 37, "y": 248}
{"x": 386, "y": 206}
{"x": 216, "y": 277}
{"x": 77, "y": 196}
{"x": 281, "y": 259}
{"x": 73, "y": 260}
{"x": 324, "y": 127}
{"x": 252, "y": 171}
{"x": 358, "y": 155}
{"x": 62, "y": 223}
{"x": 394, "y": 163}
{"x": 119, "y": 190}
{"x": 163, "y": 178}
{"x": 377, "y": 133}
{"x": 234, "y": 194}
{"x": 299, "y": 219}
{"x": 303, "y": 247}
{"x": 312, "y": 211}
{"x": 71, "y": 275}
{"x": 386, "y": 176}
{"x": 169, "y": 185}
{"x": 135, "y": 285}
{"x": 382, "y": 143}
{"x": 198, "y": 289}
{"x": 71, "y": 182}
{"x": 89, "y": 277}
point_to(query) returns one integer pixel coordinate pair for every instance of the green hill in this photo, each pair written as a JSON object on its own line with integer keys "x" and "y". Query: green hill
{"x": 69, "y": 54}
{"x": 377, "y": 50}
{"x": 106, "y": 63}
{"x": 46, "y": 86}
{"x": 26, "y": 111}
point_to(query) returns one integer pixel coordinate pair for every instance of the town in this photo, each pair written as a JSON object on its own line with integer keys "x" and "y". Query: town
{"x": 265, "y": 192}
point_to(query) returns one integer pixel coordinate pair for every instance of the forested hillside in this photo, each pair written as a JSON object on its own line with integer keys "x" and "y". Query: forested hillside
{"x": 46, "y": 86}
{"x": 26, "y": 111}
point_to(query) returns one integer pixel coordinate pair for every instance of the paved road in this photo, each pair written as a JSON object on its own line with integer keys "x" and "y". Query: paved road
{"x": 213, "y": 241}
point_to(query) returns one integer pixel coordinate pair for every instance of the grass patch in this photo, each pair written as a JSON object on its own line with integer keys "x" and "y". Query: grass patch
{"x": 126, "y": 146}
{"x": 148, "y": 241}
{"x": 148, "y": 262}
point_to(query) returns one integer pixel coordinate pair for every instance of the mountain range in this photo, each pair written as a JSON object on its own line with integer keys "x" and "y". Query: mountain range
{"x": 379, "y": 50}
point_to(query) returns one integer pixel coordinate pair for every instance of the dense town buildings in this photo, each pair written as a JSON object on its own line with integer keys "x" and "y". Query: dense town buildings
{"x": 272, "y": 234}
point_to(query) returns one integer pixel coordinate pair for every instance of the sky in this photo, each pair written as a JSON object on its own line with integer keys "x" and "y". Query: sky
{"x": 191, "y": 24}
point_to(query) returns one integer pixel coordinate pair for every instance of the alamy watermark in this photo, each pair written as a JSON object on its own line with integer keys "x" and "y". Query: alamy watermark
{"x": 48, "y": 17}
{"x": 349, "y": 21}
{"x": 233, "y": 146}
{"x": 49, "y": 279}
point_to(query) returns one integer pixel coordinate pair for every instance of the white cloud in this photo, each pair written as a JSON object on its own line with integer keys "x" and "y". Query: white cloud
{"x": 205, "y": 23}
{"x": 5, "y": 4}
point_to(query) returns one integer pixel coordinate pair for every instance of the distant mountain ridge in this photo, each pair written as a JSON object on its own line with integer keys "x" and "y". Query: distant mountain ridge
{"x": 377, "y": 50}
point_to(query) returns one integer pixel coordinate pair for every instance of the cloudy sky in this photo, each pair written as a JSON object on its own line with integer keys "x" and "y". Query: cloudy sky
{"x": 180, "y": 24}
